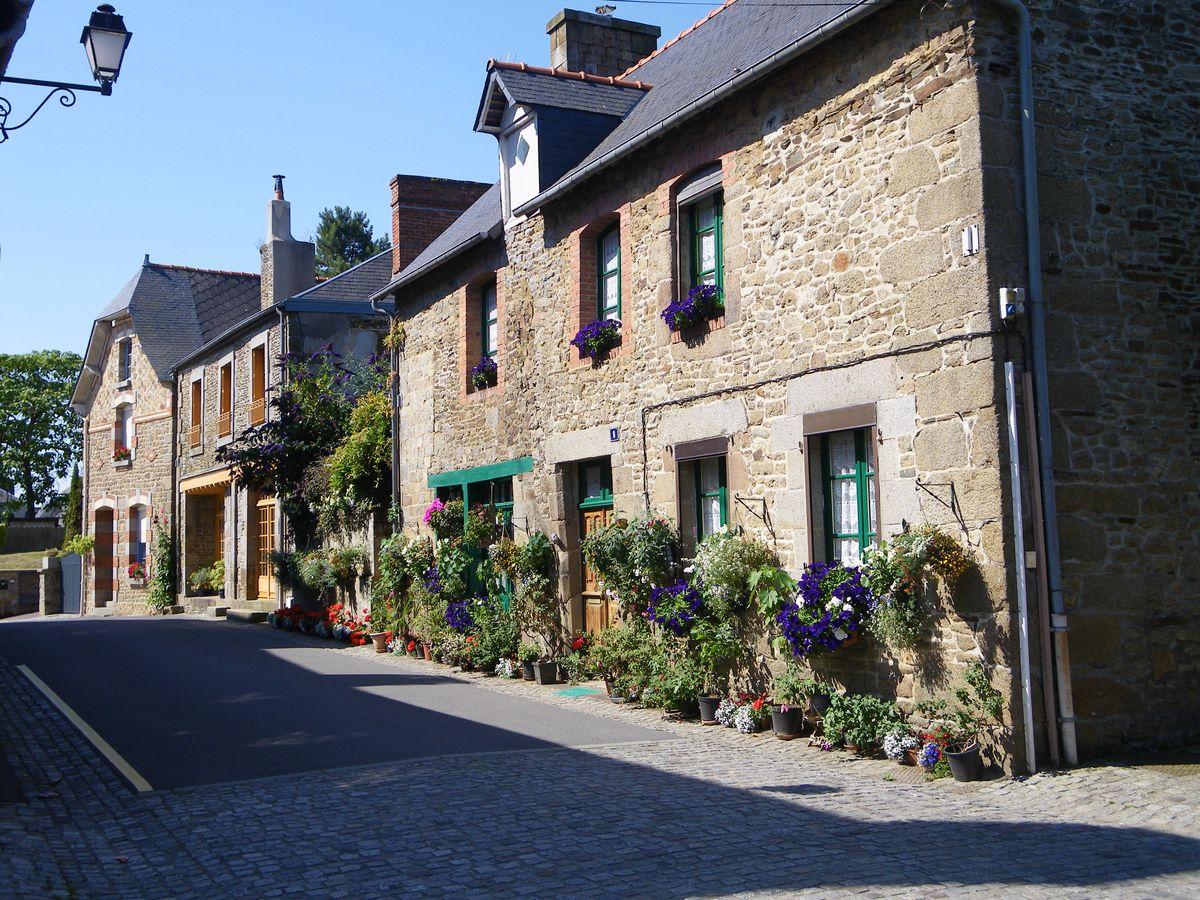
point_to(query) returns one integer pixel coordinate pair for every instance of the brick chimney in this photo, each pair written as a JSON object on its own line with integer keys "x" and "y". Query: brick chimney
{"x": 598, "y": 43}
{"x": 422, "y": 208}
{"x": 289, "y": 266}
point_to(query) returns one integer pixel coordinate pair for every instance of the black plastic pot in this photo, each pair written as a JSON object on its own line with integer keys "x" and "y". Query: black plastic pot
{"x": 787, "y": 722}
{"x": 545, "y": 672}
{"x": 708, "y": 709}
{"x": 527, "y": 670}
{"x": 965, "y": 763}
{"x": 819, "y": 703}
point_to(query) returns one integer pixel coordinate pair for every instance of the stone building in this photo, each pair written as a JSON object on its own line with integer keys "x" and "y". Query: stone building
{"x": 852, "y": 178}
{"x": 125, "y": 393}
{"x": 225, "y": 385}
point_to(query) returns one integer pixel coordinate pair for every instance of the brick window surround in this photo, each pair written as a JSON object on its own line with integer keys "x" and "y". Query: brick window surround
{"x": 470, "y": 338}
{"x": 584, "y": 256}
{"x": 679, "y": 215}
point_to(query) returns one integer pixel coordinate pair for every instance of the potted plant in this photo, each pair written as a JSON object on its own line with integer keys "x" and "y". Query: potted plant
{"x": 216, "y": 578}
{"x": 860, "y": 722}
{"x": 528, "y": 654}
{"x": 976, "y": 710}
{"x": 703, "y": 302}
{"x": 787, "y": 714}
{"x": 122, "y": 455}
{"x": 545, "y": 671}
{"x": 483, "y": 374}
{"x": 137, "y": 574}
{"x": 200, "y": 581}
{"x": 819, "y": 694}
{"x": 752, "y": 714}
{"x": 597, "y": 338}
{"x": 901, "y": 746}
{"x": 715, "y": 647}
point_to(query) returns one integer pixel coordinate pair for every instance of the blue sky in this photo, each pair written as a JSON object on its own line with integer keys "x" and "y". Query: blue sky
{"x": 213, "y": 99}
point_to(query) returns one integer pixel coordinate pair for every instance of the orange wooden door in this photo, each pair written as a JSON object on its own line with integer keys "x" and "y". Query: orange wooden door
{"x": 266, "y": 546}
{"x": 598, "y": 611}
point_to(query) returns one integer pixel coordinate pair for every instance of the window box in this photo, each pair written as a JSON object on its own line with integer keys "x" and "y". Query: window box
{"x": 122, "y": 458}
{"x": 702, "y": 304}
{"x": 595, "y": 339}
{"x": 137, "y": 574}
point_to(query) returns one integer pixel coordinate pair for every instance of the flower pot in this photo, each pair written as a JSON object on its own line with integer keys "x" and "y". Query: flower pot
{"x": 379, "y": 639}
{"x": 545, "y": 671}
{"x": 687, "y": 709}
{"x": 853, "y": 748}
{"x": 910, "y": 757}
{"x": 965, "y": 762}
{"x": 787, "y": 722}
{"x": 819, "y": 703}
{"x": 708, "y": 709}
{"x": 527, "y": 670}
{"x": 427, "y": 651}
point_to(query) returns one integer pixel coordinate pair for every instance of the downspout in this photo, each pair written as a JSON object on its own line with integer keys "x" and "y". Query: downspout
{"x": 394, "y": 391}
{"x": 1041, "y": 396}
{"x": 177, "y": 562}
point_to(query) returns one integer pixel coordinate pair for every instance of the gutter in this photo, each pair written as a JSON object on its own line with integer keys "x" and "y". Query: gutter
{"x": 394, "y": 398}
{"x": 779, "y": 58}
{"x": 1052, "y": 563}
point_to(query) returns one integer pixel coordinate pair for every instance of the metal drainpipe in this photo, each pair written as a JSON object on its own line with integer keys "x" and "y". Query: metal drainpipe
{"x": 394, "y": 391}
{"x": 1037, "y": 340}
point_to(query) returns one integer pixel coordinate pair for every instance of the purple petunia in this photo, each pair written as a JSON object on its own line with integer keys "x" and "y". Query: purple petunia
{"x": 483, "y": 373}
{"x": 702, "y": 302}
{"x": 674, "y": 607}
{"x": 458, "y": 615}
{"x": 830, "y": 607}
{"x": 597, "y": 337}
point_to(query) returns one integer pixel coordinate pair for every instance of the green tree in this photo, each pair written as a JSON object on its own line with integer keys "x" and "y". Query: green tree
{"x": 344, "y": 239}
{"x": 73, "y": 513}
{"x": 40, "y": 435}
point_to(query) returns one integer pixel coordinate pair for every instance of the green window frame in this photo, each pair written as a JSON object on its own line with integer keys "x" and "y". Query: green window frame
{"x": 714, "y": 274}
{"x": 607, "y": 273}
{"x": 599, "y": 495}
{"x": 862, "y": 475}
{"x": 720, "y": 493}
{"x": 489, "y": 319}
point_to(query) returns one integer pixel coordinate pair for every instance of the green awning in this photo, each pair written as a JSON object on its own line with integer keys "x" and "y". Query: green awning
{"x": 482, "y": 473}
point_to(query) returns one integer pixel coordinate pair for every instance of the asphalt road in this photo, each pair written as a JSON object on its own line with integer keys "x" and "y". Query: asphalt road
{"x": 189, "y": 702}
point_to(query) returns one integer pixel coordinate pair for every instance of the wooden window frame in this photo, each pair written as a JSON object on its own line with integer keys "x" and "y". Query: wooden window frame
{"x": 865, "y": 471}
{"x": 603, "y": 274}
{"x": 696, "y": 234}
{"x": 258, "y": 384}
{"x": 699, "y": 494}
{"x": 125, "y": 360}
{"x": 196, "y": 419}
{"x": 225, "y": 399}
{"x": 484, "y": 321}
{"x": 603, "y": 500}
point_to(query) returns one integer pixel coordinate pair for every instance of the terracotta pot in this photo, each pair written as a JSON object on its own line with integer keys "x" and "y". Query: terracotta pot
{"x": 379, "y": 639}
{"x": 427, "y": 651}
{"x": 910, "y": 757}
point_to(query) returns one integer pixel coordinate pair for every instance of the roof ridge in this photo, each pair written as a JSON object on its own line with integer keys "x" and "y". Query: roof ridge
{"x": 563, "y": 73}
{"x": 159, "y": 265}
{"x": 677, "y": 37}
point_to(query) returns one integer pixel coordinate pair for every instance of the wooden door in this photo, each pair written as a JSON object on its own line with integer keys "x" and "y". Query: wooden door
{"x": 266, "y": 546}
{"x": 598, "y": 611}
{"x": 103, "y": 556}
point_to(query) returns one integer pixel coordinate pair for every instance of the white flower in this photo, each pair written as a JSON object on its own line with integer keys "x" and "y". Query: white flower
{"x": 688, "y": 570}
{"x": 848, "y": 608}
{"x": 839, "y": 634}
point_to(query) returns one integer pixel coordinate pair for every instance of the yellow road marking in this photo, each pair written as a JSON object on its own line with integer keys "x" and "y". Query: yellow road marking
{"x": 140, "y": 784}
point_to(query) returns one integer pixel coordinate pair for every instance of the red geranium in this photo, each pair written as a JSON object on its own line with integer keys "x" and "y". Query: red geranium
{"x": 578, "y": 642}
{"x": 412, "y": 645}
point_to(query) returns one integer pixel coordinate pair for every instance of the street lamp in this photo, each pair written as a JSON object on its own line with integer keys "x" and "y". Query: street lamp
{"x": 104, "y": 40}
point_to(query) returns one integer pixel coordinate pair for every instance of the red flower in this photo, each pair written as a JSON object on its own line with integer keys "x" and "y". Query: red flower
{"x": 577, "y": 643}
{"x": 470, "y": 638}
{"x": 412, "y": 645}
{"x": 757, "y": 704}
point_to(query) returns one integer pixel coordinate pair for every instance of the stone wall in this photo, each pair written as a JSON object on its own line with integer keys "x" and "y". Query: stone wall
{"x": 1115, "y": 85}
{"x": 146, "y": 479}
{"x": 847, "y": 180}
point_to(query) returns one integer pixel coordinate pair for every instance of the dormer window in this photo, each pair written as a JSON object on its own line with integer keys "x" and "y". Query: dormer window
{"x": 518, "y": 158}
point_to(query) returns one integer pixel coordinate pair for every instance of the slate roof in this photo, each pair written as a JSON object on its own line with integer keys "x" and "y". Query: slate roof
{"x": 730, "y": 41}
{"x": 535, "y": 86}
{"x": 176, "y": 309}
{"x": 357, "y": 284}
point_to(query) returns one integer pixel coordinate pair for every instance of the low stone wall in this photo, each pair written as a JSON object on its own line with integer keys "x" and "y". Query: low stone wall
{"x": 18, "y": 592}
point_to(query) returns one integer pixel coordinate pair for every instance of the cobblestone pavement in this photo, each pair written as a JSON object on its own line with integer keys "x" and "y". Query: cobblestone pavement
{"x": 716, "y": 814}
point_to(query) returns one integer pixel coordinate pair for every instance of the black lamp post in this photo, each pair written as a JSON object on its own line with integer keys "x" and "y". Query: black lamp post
{"x": 104, "y": 40}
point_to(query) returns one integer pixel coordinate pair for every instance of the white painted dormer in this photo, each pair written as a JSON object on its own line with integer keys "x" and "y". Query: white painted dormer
{"x": 519, "y": 172}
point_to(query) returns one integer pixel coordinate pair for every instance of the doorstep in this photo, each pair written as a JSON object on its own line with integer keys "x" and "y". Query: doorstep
{"x": 216, "y": 612}
{"x": 243, "y": 615}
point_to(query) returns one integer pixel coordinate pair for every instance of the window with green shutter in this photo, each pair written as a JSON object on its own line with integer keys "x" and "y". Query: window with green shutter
{"x": 608, "y": 273}
{"x": 711, "y": 510}
{"x": 848, "y": 472}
